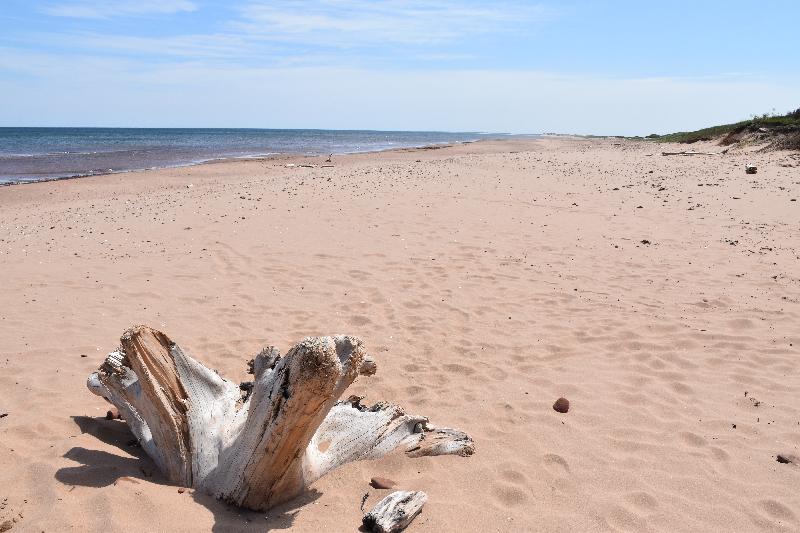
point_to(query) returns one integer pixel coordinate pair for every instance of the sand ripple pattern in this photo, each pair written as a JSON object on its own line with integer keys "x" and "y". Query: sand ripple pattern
{"x": 488, "y": 280}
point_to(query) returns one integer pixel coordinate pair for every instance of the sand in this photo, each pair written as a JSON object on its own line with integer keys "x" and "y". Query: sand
{"x": 659, "y": 295}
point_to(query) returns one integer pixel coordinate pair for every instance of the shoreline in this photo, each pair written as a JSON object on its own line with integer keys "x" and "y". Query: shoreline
{"x": 211, "y": 171}
{"x": 226, "y": 159}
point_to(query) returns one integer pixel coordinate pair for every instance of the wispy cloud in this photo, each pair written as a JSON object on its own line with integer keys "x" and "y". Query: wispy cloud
{"x": 93, "y": 9}
{"x": 210, "y": 49}
{"x": 261, "y": 33}
{"x": 212, "y": 46}
{"x": 350, "y": 23}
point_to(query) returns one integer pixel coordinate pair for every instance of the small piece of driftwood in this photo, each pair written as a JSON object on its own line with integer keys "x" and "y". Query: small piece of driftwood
{"x": 395, "y": 511}
{"x": 692, "y": 152}
{"x": 263, "y": 447}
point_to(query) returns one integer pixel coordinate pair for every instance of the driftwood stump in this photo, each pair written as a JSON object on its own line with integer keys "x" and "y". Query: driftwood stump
{"x": 264, "y": 448}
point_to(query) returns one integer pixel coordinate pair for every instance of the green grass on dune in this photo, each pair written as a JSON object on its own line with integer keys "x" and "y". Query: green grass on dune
{"x": 787, "y": 123}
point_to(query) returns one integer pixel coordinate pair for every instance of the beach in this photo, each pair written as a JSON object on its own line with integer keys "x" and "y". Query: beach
{"x": 659, "y": 294}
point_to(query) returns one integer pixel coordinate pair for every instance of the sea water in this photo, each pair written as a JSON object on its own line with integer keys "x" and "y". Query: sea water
{"x": 35, "y": 154}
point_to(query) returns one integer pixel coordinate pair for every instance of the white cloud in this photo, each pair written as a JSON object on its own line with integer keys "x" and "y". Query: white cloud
{"x": 269, "y": 33}
{"x": 94, "y": 9}
{"x": 213, "y": 46}
{"x": 360, "y": 22}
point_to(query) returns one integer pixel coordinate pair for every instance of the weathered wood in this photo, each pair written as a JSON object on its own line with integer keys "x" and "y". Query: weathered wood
{"x": 691, "y": 152}
{"x": 266, "y": 468}
{"x": 266, "y": 448}
{"x": 395, "y": 512}
{"x": 142, "y": 374}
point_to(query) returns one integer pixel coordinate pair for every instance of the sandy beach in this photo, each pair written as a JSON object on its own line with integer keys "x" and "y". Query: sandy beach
{"x": 659, "y": 295}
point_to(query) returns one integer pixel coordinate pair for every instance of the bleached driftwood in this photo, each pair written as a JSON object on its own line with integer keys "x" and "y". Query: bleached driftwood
{"x": 692, "y": 152}
{"x": 266, "y": 448}
{"x": 395, "y": 511}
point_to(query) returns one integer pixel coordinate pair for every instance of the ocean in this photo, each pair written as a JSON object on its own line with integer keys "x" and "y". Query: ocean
{"x": 36, "y": 154}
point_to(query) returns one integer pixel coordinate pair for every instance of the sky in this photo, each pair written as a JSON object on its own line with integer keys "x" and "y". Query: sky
{"x": 573, "y": 66}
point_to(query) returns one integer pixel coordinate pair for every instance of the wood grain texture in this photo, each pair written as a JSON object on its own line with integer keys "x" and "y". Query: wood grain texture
{"x": 395, "y": 512}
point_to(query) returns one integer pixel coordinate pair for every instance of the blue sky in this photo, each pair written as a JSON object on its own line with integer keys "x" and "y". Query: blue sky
{"x": 626, "y": 67}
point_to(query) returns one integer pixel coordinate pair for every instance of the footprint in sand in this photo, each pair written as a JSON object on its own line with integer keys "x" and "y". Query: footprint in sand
{"x": 508, "y": 496}
{"x": 555, "y": 464}
{"x": 692, "y": 440}
{"x": 681, "y": 388}
{"x": 720, "y": 454}
{"x": 415, "y": 391}
{"x": 626, "y": 520}
{"x": 458, "y": 369}
{"x": 513, "y": 475}
{"x": 777, "y": 510}
{"x": 642, "y": 500}
{"x": 412, "y": 368}
{"x": 496, "y": 373}
{"x": 359, "y": 275}
{"x": 359, "y": 320}
{"x": 741, "y": 323}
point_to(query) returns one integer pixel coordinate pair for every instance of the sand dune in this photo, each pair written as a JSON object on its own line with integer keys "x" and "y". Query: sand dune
{"x": 660, "y": 295}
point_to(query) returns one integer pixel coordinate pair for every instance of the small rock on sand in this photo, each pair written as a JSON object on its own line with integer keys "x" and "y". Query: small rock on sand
{"x": 382, "y": 483}
{"x": 561, "y": 405}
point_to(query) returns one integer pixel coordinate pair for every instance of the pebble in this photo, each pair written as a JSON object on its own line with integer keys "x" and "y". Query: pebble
{"x": 382, "y": 483}
{"x": 561, "y": 405}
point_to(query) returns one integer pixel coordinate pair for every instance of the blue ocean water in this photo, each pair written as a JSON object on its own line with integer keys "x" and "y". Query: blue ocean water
{"x": 34, "y": 154}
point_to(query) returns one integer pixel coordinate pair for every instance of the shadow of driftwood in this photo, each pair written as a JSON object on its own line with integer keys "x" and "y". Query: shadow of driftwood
{"x": 100, "y": 469}
{"x": 228, "y": 518}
